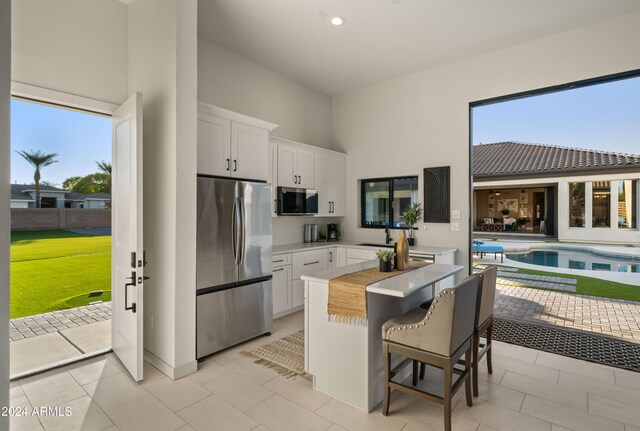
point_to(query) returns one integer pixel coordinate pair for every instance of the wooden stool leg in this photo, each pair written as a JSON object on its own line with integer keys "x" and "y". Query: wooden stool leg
{"x": 448, "y": 371}
{"x": 422, "y": 367}
{"x": 474, "y": 365}
{"x": 489, "y": 338}
{"x": 387, "y": 390}
{"x": 467, "y": 380}
{"x": 414, "y": 377}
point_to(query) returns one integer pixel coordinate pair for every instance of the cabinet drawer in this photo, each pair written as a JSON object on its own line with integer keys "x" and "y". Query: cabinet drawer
{"x": 360, "y": 253}
{"x": 308, "y": 261}
{"x": 281, "y": 259}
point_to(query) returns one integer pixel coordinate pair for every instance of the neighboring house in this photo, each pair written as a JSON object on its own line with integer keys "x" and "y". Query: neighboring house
{"x": 571, "y": 193}
{"x": 24, "y": 196}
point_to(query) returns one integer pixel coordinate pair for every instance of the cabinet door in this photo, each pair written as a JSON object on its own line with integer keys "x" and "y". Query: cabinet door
{"x": 249, "y": 148}
{"x": 281, "y": 289}
{"x": 338, "y": 186}
{"x": 308, "y": 261}
{"x": 305, "y": 168}
{"x": 297, "y": 293}
{"x": 214, "y": 153}
{"x": 332, "y": 257}
{"x": 286, "y": 166}
{"x": 272, "y": 177}
{"x": 323, "y": 183}
{"x": 342, "y": 257}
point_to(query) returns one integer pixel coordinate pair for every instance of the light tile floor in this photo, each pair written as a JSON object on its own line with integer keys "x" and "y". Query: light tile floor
{"x": 528, "y": 390}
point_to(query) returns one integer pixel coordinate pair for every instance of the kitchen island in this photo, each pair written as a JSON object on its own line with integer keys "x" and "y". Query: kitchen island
{"x": 345, "y": 359}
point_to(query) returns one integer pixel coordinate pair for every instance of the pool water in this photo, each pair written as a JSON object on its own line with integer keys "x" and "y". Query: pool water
{"x": 574, "y": 259}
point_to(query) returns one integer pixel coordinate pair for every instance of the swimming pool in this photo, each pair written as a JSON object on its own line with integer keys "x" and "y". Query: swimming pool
{"x": 576, "y": 259}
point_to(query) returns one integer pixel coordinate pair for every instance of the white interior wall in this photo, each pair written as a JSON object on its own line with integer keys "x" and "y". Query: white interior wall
{"x": 73, "y": 46}
{"x": 402, "y": 125}
{"x": 233, "y": 82}
{"x": 162, "y": 65}
{"x": 5, "y": 212}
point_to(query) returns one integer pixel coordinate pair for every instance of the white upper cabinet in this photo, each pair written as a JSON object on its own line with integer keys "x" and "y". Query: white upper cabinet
{"x": 232, "y": 144}
{"x": 272, "y": 177}
{"x": 295, "y": 165}
{"x": 330, "y": 172}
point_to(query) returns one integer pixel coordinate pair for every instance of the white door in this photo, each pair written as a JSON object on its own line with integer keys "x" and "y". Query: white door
{"x": 127, "y": 260}
{"x": 281, "y": 284}
{"x": 338, "y": 188}
{"x": 272, "y": 177}
{"x": 249, "y": 148}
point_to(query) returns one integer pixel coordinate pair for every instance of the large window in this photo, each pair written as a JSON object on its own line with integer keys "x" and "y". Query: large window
{"x": 627, "y": 204}
{"x": 576, "y": 204}
{"x": 601, "y": 216}
{"x": 385, "y": 199}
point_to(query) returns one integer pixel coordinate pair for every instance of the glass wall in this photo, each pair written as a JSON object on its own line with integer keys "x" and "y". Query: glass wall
{"x": 576, "y": 204}
{"x": 627, "y": 204}
{"x": 601, "y": 216}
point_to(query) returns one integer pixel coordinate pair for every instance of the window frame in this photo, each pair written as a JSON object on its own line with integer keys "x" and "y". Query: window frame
{"x": 363, "y": 200}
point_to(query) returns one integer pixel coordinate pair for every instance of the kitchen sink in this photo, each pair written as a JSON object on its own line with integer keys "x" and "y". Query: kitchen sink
{"x": 367, "y": 244}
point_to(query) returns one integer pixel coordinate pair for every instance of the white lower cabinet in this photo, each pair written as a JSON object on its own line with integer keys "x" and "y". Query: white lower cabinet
{"x": 288, "y": 288}
{"x": 281, "y": 289}
{"x": 332, "y": 257}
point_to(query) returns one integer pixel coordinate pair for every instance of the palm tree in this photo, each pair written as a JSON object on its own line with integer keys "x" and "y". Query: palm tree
{"x": 38, "y": 160}
{"x": 105, "y": 168}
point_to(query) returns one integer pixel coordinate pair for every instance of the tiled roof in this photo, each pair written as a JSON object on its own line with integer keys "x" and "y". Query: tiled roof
{"x": 520, "y": 159}
{"x": 21, "y": 188}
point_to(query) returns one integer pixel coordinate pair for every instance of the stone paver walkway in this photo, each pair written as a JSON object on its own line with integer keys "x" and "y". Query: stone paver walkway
{"x": 40, "y": 324}
{"x": 614, "y": 317}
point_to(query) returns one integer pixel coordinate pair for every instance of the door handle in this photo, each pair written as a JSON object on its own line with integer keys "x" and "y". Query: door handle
{"x": 295, "y": 179}
{"x": 278, "y": 269}
{"x": 299, "y": 179}
{"x": 228, "y": 164}
{"x": 235, "y": 165}
{"x": 330, "y": 256}
{"x": 275, "y": 206}
{"x": 126, "y": 292}
{"x": 311, "y": 263}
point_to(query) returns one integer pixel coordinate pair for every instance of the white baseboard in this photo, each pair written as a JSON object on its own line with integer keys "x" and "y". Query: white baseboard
{"x": 173, "y": 373}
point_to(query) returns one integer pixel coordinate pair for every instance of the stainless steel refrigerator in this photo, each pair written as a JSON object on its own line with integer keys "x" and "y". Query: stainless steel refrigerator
{"x": 233, "y": 273}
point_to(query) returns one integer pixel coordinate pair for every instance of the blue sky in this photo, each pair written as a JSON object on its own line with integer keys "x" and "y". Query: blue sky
{"x": 80, "y": 139}
{"x": 603, "y": 117}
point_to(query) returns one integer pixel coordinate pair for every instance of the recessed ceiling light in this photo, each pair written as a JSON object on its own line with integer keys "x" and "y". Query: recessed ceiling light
{"x": 337, "y": 20}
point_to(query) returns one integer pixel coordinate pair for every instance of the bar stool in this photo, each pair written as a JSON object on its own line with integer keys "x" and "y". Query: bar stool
{"x": 484, "y": 322}
{"x": 439, "y": 337}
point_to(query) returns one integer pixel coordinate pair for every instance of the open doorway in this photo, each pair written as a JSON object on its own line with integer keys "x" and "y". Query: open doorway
{"x": 555, "y": 204}
{"x": 61, "y": 235}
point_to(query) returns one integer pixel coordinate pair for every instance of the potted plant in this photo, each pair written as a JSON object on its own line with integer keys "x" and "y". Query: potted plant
{"x": 386, "y": 259}
{"x": 411, "y": 216}
{"x": 505, "y": 211}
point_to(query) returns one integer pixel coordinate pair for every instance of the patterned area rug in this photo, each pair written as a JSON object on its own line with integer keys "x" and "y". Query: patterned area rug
{"x": 285, "y": 356}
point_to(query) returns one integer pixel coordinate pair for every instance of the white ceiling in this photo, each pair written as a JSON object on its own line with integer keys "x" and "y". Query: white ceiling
{"x": 383, "y": 39}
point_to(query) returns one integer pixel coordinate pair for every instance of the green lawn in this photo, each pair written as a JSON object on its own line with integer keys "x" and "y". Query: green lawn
{"x": 54, "y": 270}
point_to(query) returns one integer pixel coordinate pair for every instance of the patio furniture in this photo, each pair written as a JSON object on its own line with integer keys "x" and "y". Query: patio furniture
{"x": 480, "y": 248}
{"x": 509, "y": 223}
{"x": 438, "y": 337}
{"x": 491, "y": 225}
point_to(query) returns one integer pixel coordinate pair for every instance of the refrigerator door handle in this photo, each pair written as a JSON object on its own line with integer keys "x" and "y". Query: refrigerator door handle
{"x": 234, "y": 230}
{"x": 242, "y": 222}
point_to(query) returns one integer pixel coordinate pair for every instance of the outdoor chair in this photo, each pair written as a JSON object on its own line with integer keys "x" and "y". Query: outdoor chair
{"x": 439, "y": 337}
{"x": 480, "y": 248}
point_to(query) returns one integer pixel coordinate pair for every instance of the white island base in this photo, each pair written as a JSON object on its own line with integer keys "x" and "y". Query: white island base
{"x": 344, "y": 359}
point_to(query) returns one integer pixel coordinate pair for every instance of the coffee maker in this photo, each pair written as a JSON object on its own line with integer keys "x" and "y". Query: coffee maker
{"x": 333, "y": 232}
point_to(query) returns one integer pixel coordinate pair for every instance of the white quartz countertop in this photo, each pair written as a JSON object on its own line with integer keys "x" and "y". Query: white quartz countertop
{"x": 415, "y": 250}
{"x": 401, "y": 285}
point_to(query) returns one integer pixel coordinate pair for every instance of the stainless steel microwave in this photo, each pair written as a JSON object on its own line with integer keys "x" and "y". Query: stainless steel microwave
{"x": 292, "y": 201}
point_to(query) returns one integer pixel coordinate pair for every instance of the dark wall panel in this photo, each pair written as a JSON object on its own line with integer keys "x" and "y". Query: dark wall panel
{"x": 437, "y": 194}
